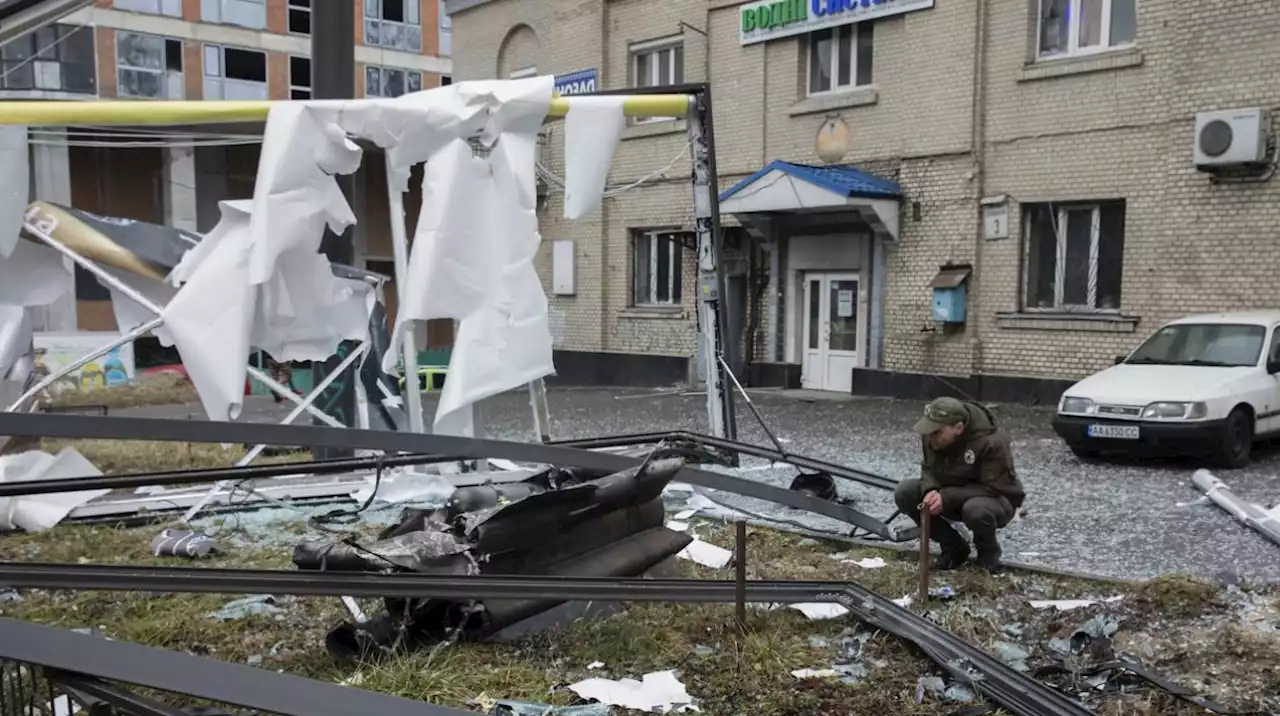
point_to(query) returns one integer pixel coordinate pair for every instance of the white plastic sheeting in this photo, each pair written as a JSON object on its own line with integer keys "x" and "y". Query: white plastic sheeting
{"x": 31, "y": 276}
{"x": 40, "y": 512}
{"x": 15, "y": 184}
{"x": 593, "y": 129}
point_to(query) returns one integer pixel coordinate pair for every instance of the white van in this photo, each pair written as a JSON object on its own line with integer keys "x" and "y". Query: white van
{"x": 1205, "y": 386}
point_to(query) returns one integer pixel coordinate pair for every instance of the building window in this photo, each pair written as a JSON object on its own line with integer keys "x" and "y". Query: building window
{"x": 657, "y": 63}
{"x": 445, "y": 80}
{"x": 394, "y": 24}
{"x": 233, "y": 73}
{"x": 300, "y": 17}
{"x": 245, "y": 13}
{"x": 299, "y": 77}
{"x": 390, "y": 81}
{"x": 658, "y": 259}
{"x": 1075, "y": 255}
{"x": 1078, "y": 27}
{"x": 148, "y": 66}
{"x": 172, "y": 8}
{"x": 446, "y": 31}
{"x": 840, "y": 58}
{"x": 54, "y": 58}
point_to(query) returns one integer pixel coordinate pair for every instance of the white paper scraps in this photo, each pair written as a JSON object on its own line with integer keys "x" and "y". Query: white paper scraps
{"x": 34, "y": 513}
{"x": 1063, "y": 605}
{"x": 595, "y": 665}
{"x": 677, "y": 526}
{"x": 1198, "y": 502}
{"x": 818, "y": 611}
{"x": 814, "y": 673}
{"x": 404, "y": 487}
{"x": 592, "y": 130}
{"x": 33, "y": 275}
{"x": 659, "y": 691}
{"x": 15, "y": 179}
{"x": 685, "y": 514}
{"x": 904, "y": 601}
{"x": 866, "y": 562}
{"x": 706, "y": 554}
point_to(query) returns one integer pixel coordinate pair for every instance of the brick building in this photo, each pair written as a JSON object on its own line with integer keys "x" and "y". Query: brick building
{"x": 193, "y": 50}
{"x": 1036, "y": 153}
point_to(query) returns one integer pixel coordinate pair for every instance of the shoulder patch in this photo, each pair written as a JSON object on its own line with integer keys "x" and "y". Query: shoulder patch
{"x": 969, "y": 457}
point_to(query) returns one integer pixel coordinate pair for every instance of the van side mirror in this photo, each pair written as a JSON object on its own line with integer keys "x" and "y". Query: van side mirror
{"x": 1120, "y": 359}
{"x": 1273, "y": 366}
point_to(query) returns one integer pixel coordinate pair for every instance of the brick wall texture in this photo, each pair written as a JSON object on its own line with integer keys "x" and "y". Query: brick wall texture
{"x": 1117, "y": 125}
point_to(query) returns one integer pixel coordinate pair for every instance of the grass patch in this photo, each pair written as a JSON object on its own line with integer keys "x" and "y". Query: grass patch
{"x": 159, "y": 389}
{"x": 728, "y": 670}
{"x": 120, "y": 457}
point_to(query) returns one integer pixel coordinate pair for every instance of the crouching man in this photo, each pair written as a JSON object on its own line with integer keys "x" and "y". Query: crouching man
{"x": 966, "y": 475}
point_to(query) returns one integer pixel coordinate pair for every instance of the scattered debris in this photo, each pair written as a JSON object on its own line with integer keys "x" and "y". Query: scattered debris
{"x": 180, "y": 543}
{"x": 1096, "y": 629}
{"x": 942, "y": 593}
{"x": 814, "y": 673}
{"x": 865, "y": 562}
{"x": 258, "y": 605}
{"x": 34, "y": 513}
{"x": 659, "y": 691}
{"x": 706, "y": 554}
{"x": 595, "y": 665}
{"x": 530, "y": 708}
{"x": 818, "y": 611}
{"x": 1064, "y": 605}
{"x": 1013, "y": 655}
{"x": 8, "y": 595}
{"x": 1255, "y": 517}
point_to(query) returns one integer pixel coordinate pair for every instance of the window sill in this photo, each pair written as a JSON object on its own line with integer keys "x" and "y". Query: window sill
{"x": 1081, "y": 64}
{"x": 655, "y": 129}
{"x": 1091, "y": 322}
{"x": 857, "y": 97}
{"x": 659, "y": 313}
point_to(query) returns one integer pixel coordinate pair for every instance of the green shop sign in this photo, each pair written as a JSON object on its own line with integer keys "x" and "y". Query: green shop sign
{"x": 766, "y": 20}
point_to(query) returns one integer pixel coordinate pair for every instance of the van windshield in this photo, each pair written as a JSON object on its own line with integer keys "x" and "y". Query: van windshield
{"x": 1209, "y": 344}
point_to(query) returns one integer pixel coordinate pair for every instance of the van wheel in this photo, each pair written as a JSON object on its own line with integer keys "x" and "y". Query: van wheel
{"x": 1237, "y": 440}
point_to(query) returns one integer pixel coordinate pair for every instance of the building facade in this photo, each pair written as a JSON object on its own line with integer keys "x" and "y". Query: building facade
{"x": 1002, "y": 193}
{"x": 200, "y": 50}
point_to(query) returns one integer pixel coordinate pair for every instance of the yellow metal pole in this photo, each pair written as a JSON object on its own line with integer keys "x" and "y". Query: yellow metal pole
{"x": 117, "y": 112}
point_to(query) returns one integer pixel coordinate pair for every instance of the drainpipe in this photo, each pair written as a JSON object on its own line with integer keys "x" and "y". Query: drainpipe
{"x": 980, "y": 169}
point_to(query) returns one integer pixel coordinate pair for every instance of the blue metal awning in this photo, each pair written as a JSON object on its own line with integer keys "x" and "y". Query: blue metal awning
{"x": 787, "y": 188}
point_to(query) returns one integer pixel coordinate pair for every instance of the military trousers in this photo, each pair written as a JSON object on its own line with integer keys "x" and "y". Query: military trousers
{"x": 983, "y": 515}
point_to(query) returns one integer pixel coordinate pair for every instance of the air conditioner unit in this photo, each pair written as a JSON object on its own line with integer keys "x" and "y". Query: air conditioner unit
{"x": 1231, "y": 137}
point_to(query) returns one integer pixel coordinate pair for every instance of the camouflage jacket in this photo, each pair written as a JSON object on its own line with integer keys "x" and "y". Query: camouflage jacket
{"x": 978, "y": 464}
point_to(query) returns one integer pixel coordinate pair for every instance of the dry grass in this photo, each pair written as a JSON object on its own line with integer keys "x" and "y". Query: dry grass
{"x": 120, "y": 457}
{"x": 725, "y": 668}
{"x": 160, "y": 389}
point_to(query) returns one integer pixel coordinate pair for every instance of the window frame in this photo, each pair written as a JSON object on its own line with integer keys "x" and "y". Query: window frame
{"x": 675, "y": 268}
{"x": 294, "y": 86}
{"x": 290, "y": 9}
{"x": 836, "y": 87}
{"x": 1073, "y": 48}
{"x": 162, "y": 72}
{"x": 159, "y": 7}
{"x": 221, "y": 9}
{"x": 222, "y": 61}
{"x": 373, "y": 15}
{"x": 1060, "y": 211}
{"x": 656, "y": 46}
{"x": 384, "y": 68}
{"x": 38, "y": 55}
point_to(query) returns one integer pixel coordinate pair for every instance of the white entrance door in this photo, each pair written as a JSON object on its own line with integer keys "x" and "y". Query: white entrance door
{"x": 830, "y": 331}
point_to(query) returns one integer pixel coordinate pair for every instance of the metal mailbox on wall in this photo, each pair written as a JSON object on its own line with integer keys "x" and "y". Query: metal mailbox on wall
{"x": 950, "y": 294}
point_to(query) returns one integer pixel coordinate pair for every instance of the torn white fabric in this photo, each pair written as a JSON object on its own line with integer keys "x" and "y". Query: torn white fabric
{"x": 592, "y": 131}
{"x": 818, "y": 611}
{"x": 32, "y": 275}
{"x": 128, "y": 312}
{"x": 300, "y": 313}
{"x": 660, "y": 691}
{"x": 34, "y": 513}
{"x": 15, "y": 184}
{"x": 706, "y": 554}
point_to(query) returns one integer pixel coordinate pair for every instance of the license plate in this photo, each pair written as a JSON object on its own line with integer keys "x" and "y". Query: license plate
{"x": 1118, "y": 432}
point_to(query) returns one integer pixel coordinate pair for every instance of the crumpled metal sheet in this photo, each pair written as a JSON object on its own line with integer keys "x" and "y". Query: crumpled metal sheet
{"x": 430, "y": 550}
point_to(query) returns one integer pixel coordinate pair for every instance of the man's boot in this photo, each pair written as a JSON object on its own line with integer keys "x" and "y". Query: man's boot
{"x": 988, "y": 550}
{"x": 955, "y": 551}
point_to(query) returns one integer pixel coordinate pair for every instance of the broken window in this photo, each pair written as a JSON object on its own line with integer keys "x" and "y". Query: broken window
{"x": 394, "y": 24}
{"x": 53, "y": 58}
{"x": 245, "y": 13}
{"x": 1074, "y": 27}
{"x": 300, "y": 17}
{"x": 840, "y": 58}
{"x": 148, "y": 66}
{"x": 299, "y": 77}
{"x": 390, "y": 81}
{"x": 658, "y": 258}
{"x": 1074, "y": 255}
{"x": 234, "y": 73}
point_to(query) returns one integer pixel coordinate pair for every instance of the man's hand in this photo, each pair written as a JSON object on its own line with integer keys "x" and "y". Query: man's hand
{"x": 933, "y": 501}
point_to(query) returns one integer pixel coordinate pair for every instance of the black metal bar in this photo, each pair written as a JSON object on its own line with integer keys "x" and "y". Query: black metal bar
{"x": 76, "y": 426}
{"x": 740, "y": 571}
{"x": 127, "y": 701}
{"x": 363, "y": 584}
{"x": 199, "y": 677}
{"x": 333, "y": 76}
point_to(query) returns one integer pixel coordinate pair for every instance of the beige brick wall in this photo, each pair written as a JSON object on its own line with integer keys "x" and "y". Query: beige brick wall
{"x": 1118, "y": 125}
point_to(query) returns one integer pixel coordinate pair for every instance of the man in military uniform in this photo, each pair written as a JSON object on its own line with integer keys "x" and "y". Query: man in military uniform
{"x": 966, "y": 475}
